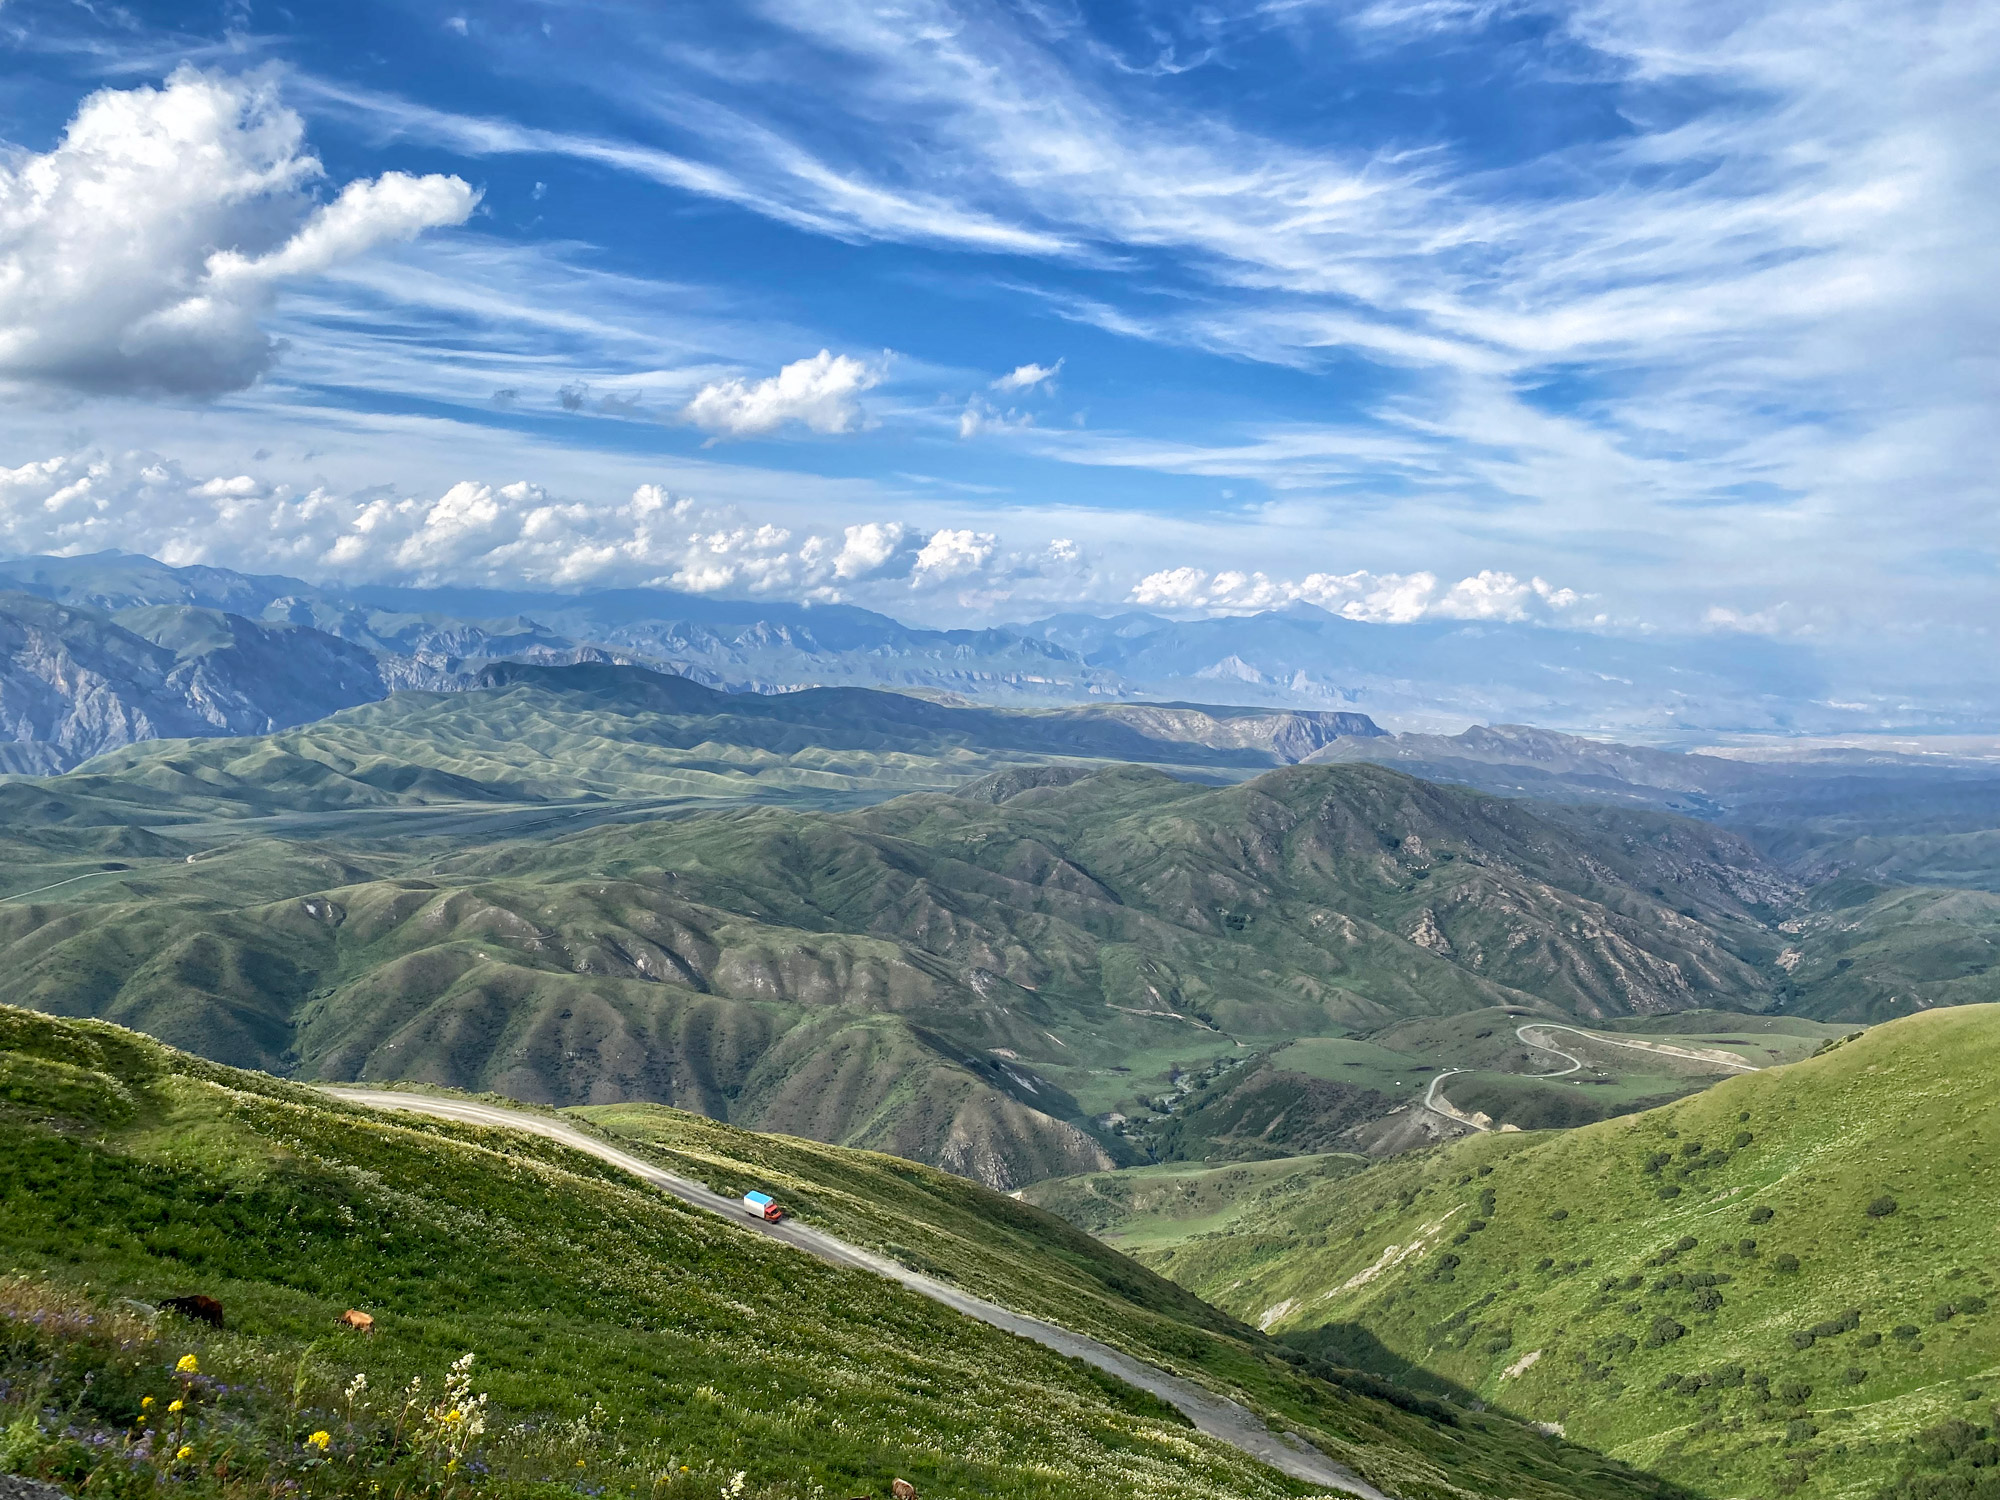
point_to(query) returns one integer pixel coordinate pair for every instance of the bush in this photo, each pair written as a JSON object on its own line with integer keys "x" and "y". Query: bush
{"x": 1905, "y": 1331}
{"x": 1545, "y": 1262}
{"x": 1485, "y": 1171}
{"x": 1973, "y": 1304}
{"x": 1794, "y": 1393}
{"x": 1743, "y": 1138}
{"x": 1670, "y": 1191}
{"x": 1855, "y": 1375}
{"x": 1786, "y": 1263}
{"x": 1686, "y": 1243}
{"x": 1707, "y": 1300}
{"x": 1882, "y": 1207}
{"x": 1556, "y": 1216}
{"x": 1746, "y": 1247}
{"x": 1664, "y": 1331}
{"x": 1803, "y": 1339}
{"x": 1801, "y": 1430}
{"x": 1945, "y": 1312}
{"x": 1761, "y": 1214}
{"x": 1869, "y": 1340}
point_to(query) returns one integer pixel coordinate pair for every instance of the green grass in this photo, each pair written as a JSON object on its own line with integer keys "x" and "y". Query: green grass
{"x": 1147, "y": 1208}
{"x": 1616, "y": 1256}
{"x": 967, "y": 981}
{"x": 619, "y": 1334}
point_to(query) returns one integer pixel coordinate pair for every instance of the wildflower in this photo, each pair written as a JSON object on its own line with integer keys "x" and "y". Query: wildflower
{"x": 184, "y": 1455}
{"x": 579, "y": 1463}
{"x": 146, "y": 1403}
{"x": 319, "y": 1440}
{"x": 357, "y": 1385}
{"x": 177, "y": 1405}
{"x": 187, "y": 1365}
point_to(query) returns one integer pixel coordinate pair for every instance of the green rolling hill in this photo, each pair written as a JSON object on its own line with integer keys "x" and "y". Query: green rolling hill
{"x": 1785, "y": 1284}
{"x": 981, "y": 980}
{"x": 623, "y": 1343}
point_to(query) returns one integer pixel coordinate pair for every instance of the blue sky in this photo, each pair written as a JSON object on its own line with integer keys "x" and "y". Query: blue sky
{"x": 1612, "y": 315}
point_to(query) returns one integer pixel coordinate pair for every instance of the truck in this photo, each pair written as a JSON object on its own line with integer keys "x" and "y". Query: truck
{"x": 763, "y": 1206}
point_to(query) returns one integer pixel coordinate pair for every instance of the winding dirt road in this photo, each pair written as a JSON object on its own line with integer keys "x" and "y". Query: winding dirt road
{"x": 1658, "y": 1049}
{"x": 1217, "y": 1416}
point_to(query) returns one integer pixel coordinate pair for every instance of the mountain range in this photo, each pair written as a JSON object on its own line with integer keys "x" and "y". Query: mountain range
{"x": 108, "y": 649}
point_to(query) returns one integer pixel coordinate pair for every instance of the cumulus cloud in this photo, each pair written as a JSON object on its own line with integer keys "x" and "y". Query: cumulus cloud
{"x": 478, "y": 532}
{"x": 1027, "y": 377}
{"x": 145, "y": 251}
{"x": 953, "y": 554}
{"x": 819, "y": 393}
{"x": 1380, "y": 598}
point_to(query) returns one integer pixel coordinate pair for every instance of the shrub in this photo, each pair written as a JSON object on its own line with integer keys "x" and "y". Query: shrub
{"x": 1794, "y": 1392}
{"x": 1746, "y": 1247}
{"x": 1801, "y": 1430}
{"x": 1973, "y": 1304}
{"x": 1685, "y": 1243}
{"x": 1945, "y": 1312}
{"x": 1882, "y": 1207}
{"x": 1473, "y": 1226}
{"x": 1545, "y": 1262}
{"x": 1670, "y": 1191}
{"x": 1855, "y": 1375}
{"x": 1556, "y": 1216}
{"x": 1656, "y": 1161}
{"x": 1761, "y": 1214}
{"x": 1664, "y": 1331}
{"x": 1485, "y": 1171}
{"x": 1905, "y": 1331}
{"x": 1692, "y": 1148}
{"x": 1803, "y": 1339}
{"x": 1786, "y": 1263}
{"x": 1707, "y": 1300}
{"x": 1743, "y": 1138}
{"x": 1869, "y": 1340}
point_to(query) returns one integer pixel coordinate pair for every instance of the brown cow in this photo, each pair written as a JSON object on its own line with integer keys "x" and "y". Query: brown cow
{"x": 199, "y": 1308}
{"x": 360, "y": 1322}
{"x": 902, "y": 1489}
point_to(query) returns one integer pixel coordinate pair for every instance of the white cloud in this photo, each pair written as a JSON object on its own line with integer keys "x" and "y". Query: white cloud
{"x": 477, "y": 532}
{"x": 1380, "y": 598}
{"x": 950, "y": 554}
{"x": 1027, "y": 377}
{"x": 145, "y": 251}
{"x": 866, "y": 548}
{"x": 819, "y": 393}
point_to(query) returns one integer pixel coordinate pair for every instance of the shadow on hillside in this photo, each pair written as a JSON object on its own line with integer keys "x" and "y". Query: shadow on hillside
{"x": 1354, "y": 1347}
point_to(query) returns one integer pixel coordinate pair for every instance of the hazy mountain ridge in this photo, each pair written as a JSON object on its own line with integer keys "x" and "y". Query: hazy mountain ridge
{"x": 1300, "y": 657}
{"x": 79, "y": 681}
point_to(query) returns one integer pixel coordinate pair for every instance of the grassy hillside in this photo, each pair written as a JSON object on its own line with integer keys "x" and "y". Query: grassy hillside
{"x": 540, "y": 734}
{"x": 1143, "y": 1208}
{"x": 625, "y": 1344}
{"x": 975, "y": 980}
{"x": 1778, "y": 1285}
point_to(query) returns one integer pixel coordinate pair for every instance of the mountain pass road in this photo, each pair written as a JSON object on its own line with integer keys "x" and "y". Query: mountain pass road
{"x": 1217, "y": 1416}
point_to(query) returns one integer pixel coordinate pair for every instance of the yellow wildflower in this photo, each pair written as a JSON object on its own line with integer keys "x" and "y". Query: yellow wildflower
{"x": 185, "y": 1454}
{"x": 146, "y": 1404}
{"x": 319, "y": 1440}
{"x": 187, "y": 1365}
{"x": 176, "y": 1406}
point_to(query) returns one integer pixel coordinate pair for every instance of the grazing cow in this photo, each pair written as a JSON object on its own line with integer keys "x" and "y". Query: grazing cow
{"x": 902, "y": 1489}
{"x": 360, "y": 1322}
{"x": 198, "y": 1308}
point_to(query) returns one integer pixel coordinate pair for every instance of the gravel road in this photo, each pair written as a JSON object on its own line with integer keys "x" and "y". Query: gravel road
{"x": 1215, "y": 1415}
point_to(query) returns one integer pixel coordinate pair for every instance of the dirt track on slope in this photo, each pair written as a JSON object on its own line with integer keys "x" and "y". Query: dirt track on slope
{"x": 1217, "y": 1416}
